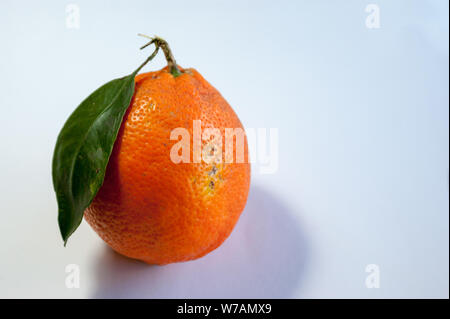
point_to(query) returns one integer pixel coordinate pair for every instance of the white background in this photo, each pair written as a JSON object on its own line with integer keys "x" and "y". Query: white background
{"x": 363, "y": 120}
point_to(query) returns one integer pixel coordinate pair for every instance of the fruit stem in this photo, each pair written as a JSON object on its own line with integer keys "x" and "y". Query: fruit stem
{"x": 161, "y": 43}
{"x": 147, "y": 60}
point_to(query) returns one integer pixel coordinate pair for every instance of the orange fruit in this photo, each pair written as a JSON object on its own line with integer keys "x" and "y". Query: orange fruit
{"x": 149, "y": 207}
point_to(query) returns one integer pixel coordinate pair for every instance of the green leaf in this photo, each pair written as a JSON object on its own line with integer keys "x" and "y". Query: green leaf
{"x": 83, "y": 149}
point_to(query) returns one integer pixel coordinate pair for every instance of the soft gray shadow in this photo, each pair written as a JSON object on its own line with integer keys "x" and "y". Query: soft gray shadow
{"x": 264, "y": 257}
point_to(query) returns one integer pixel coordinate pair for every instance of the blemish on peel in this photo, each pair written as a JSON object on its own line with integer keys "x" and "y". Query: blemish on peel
{"x": 213, "y": 171}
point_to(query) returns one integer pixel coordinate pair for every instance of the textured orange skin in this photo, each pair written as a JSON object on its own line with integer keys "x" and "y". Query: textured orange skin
{"x": 152, "y": 209}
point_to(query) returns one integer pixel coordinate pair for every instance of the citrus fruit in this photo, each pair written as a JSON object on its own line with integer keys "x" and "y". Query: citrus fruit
{"x": 156, "y": 210}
